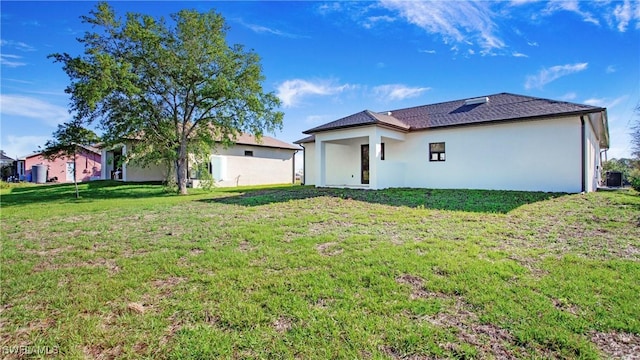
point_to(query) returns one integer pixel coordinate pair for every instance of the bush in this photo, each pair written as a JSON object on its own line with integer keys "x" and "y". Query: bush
{"x": 634, "y": 179}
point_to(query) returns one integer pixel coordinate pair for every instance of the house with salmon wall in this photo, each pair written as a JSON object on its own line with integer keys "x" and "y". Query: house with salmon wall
{"x": 88, "y": 165}
{"x": 498, "y": 142}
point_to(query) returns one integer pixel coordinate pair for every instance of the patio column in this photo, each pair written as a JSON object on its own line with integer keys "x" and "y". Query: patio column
{"x": 375, "y": 152}
{"x": 320, "y": 163}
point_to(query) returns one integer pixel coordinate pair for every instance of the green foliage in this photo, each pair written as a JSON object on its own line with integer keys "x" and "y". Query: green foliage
{"x": 635, "y": 137}
{"x": 634, "y": 179}
{"x": 67, "y": 142}
{"x": 171, "y": 88}
{"x": 622, "y": 165}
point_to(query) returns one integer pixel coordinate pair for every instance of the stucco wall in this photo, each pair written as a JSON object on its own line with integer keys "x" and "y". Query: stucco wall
{"x": 136, "y": 172}
{"x": 309, "y": 160}
{"x": 246, "y": 170}
{"x": 88, "y": 166}
{"x": 343, "y": 168}
{"x": 533, "y": 155}
{"x": 267, "y": 166}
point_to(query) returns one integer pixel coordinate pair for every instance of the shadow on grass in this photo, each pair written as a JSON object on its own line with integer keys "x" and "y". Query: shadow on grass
{"x": 89, "y": 191}
{"x": 485, "y": 201}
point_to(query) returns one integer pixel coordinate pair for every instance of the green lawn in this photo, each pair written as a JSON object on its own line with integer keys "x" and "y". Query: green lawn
{"x": 129, "y": 271}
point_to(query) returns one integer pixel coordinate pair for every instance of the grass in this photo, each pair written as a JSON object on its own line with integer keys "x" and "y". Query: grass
{"x": 129, "y": 271}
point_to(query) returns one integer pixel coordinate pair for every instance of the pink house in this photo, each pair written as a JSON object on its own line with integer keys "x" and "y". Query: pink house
{"x": 88, "y": 166}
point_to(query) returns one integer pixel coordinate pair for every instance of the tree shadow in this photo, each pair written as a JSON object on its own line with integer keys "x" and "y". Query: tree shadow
{"x": 89, "y": 191}
{"x": 484, "y": 201}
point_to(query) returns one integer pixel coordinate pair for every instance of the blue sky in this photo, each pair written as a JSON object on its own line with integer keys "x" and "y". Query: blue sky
{"x": 327, "y": 60}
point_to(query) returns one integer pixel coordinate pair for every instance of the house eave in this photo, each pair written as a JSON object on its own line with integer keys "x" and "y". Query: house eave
{"x": 383, "y": 125}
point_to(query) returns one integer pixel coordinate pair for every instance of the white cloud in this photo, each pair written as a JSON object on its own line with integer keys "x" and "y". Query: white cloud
{"x": 398, "y": 91}
{"x": 427, "y": 51}
{"x": 319, "y": 119}
{"x": 29, "y": 107}
{"x": 17, "y": 45}
{"x": 18, "y": 146}
{"x": 610, "y": 69}
{"x": 571, "y": 6}
{"x": 553, "y": 73}
{"x": 11, "y": 60}
{"x": 605, "y": 102}
{"x": 618, "y": 14}
{"x": 292, "y": 91}
{"x": 569, "y": 96}
{"x": 374, "y": 20}
{"x": 519, "y": 54}
{"x": 456, "y": 21}
{"x": 623, "y": 14}
{"x": 259, "y": 29}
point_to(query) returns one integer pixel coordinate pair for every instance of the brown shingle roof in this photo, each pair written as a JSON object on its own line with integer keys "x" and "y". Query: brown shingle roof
{"x": 365, "y": 117}
{"x": 499, "y": 107}
{"x": 266, "y": 141}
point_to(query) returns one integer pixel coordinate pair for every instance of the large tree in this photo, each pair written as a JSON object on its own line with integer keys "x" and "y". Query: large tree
{"x": 172, "y": 87}
{"x": 635, "y": 136}
{"x": 69, "y": 141}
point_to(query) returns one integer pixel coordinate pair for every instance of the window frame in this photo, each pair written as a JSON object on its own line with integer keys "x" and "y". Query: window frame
{"x": 248, "y": 153}
{"x": 440, "y": 155}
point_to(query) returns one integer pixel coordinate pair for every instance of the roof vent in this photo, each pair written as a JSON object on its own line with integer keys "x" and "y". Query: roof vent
{"x": 474, "y": 101}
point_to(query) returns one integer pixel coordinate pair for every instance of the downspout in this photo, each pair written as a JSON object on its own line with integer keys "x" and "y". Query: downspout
{"x": 293, "y": 172}
{"x": 304, "y": 165}
{"x": 584, "y": 153}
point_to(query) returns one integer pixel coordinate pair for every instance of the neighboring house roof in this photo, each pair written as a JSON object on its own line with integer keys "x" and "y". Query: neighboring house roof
{"x": 86, "y": 147}
{"x": 248, "y": 139}
{"x": 266, "y": 141}
{"x": 498, "y": 107}
{"x": 5, "y": 159}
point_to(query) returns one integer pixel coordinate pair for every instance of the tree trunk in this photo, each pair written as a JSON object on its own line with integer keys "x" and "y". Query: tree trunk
{"x": 181, "y": 170}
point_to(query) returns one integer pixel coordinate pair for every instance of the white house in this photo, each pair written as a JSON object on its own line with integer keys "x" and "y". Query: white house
{"x": 501, "y": 142}
{"x": 247, "y": 162}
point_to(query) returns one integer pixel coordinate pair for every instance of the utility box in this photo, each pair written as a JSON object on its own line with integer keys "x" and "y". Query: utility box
{"x": 614, "y": 179}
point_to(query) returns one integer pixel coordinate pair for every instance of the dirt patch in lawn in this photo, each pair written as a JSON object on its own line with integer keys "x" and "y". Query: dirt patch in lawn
{"x": 167, "y": 285}
{"x": 329, "y": 249}
{"x": 49, "y": 252}
{"x": 490, "y": 340}
{"x": 417, "y": 287}
{"x": 618, "y": 345}
{"x": 245, "y": 246}
{"x": 282, "y": 324}
{"x": 109, "y": 264}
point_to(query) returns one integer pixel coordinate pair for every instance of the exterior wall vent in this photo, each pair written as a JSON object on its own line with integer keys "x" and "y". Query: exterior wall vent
{"x": 474, "y": 101}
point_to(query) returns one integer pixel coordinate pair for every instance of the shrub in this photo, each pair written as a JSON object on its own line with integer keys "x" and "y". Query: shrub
{"x": 634, "y": 179}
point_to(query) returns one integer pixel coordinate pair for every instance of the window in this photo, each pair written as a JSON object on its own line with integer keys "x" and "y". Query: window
{"x": 382, "y": 151}
{"x": 436, "y": 151}
{"x": 248, "y": 153}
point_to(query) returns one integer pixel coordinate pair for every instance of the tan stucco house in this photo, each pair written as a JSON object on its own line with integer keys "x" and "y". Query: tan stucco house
{"x": 248, "y": 162}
